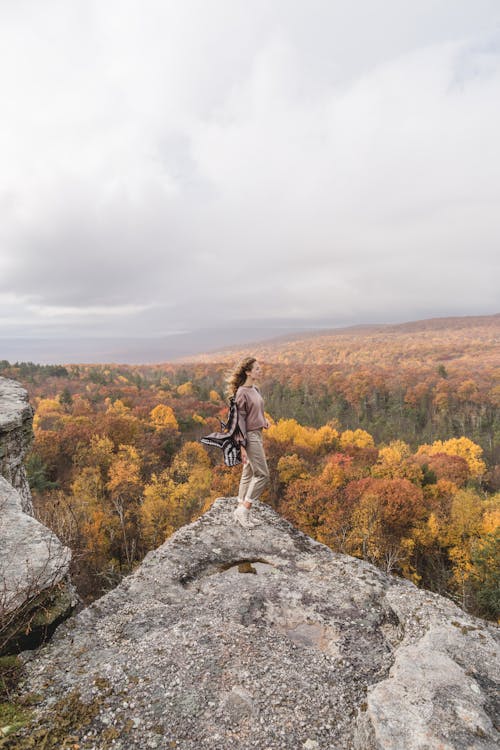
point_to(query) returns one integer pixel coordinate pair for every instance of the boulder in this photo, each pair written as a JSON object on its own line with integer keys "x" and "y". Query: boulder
{"x": 16, "y": 433}
{"x": 35, "y": 590}
{"x": 232, "y": 638}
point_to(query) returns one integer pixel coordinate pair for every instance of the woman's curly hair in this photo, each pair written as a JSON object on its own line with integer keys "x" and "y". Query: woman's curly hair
{"x": 238, "y": 376}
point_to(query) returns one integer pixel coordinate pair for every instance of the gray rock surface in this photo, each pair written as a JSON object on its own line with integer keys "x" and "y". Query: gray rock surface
{"x": 232, "y": 638}
{"x": 16, "y": 432}
{"x": 35, "y": 590}
{"x": 31, "y": 556}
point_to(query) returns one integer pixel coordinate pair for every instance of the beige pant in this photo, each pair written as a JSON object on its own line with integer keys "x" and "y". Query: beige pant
{"x": 255, "y": 475}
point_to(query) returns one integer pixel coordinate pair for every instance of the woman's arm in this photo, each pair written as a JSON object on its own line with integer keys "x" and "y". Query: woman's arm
{"x": 241, "y": 402}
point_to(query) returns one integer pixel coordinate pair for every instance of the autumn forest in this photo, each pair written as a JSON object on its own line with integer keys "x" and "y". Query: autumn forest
{"x": 384, "y": 444}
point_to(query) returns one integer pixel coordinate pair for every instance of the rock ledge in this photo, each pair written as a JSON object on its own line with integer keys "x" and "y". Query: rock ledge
{"x": 35, "y": 590}
{"x": 230, "y": 638}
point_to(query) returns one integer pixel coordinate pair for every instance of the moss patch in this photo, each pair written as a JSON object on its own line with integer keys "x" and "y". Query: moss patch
{"x": 62, "y": 726}
{"x": 14, "y": 713}
{"x": 12, "y": 718}
{"x": 10, "y": 671}
{"x": 58, "y": 728}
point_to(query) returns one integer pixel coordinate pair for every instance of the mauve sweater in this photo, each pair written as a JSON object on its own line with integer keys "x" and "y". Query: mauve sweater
{"x": 250, "y": 410}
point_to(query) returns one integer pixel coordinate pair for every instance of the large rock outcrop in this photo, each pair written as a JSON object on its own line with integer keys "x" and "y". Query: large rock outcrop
{"x": 35, "y": 590}
{"x": 16, "y": 432}
{"x": 232, "y": 638}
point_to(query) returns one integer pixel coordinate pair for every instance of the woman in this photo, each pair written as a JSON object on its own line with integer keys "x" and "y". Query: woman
{"x": 251, "y": 421}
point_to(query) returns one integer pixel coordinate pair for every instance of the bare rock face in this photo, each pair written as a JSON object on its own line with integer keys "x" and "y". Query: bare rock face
{"x": 16, "y": 432}
{"x": 35, "y": 591}
{"x": 233, "y": 638}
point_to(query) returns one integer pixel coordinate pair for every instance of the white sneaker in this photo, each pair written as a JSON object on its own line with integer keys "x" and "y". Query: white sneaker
{"x": 241, "y": 515}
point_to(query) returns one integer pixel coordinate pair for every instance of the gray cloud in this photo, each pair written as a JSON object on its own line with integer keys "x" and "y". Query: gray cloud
{"x": 167, "y": 166}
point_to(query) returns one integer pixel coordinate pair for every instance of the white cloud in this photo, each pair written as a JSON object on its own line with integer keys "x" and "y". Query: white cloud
{"x": 165, "y": 162}
{"x": 59, "y": 312}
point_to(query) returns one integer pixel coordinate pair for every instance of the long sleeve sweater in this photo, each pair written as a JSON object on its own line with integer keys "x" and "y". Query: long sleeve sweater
{"x": 250, "y": 410}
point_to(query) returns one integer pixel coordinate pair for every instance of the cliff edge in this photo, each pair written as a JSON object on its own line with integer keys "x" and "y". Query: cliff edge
{"x": 232, "y": 638}
{"x": 35, "y": 590}
{"x": 16, "y": 433}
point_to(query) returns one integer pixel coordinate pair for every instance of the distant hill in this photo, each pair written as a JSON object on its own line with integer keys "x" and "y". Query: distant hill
{"x": 470, "y": 340}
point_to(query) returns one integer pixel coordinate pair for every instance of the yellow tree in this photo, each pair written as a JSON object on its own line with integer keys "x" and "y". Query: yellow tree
{"x": 156, "y": 513}
{"x": 357, "y": 439}
{"x": 224, "y": 483}
{"x": 163, "y": 418}
{"x": 98, "y": 531}
{"x": 125, "y": 489}
{"x": 485, "y": 574}
{"x": 117, "y": 407}
{"x": 88, "y": 487}
{"x": 460, "y": 536}
{"x": 97, "y": 524}
{"x": 191, "y": 456}
{"x": 491, "y": 514}
{"x": 291, "y": 432}
{"x": 98, "y": 454}
{"x": 395, "y": 462}
{"x": 48, "y": 412}
{"x": 186, "y": 389}
{"x": 192, "y": 474}
{"x": 291, "y": 467}
{"x": 178, "y": 494}
{"x": 463, "y": 447}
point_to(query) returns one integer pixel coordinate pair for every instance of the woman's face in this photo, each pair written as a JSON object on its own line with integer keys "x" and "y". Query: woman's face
{"x": 255, "y": 371}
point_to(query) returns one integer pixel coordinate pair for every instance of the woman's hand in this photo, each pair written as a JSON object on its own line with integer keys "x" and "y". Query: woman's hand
{"x": 267, "y": 425}
{"x": 244, "y": 456}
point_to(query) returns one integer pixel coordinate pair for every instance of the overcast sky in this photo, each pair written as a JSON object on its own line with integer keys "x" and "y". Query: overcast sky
{"x": 168, "y": 166}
